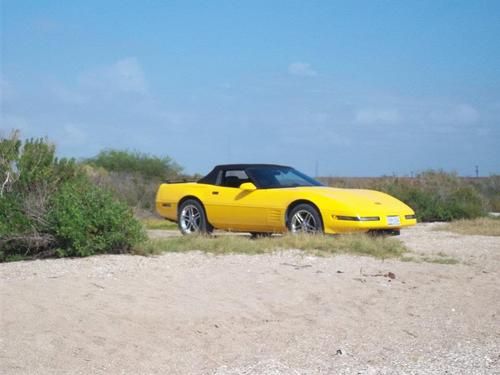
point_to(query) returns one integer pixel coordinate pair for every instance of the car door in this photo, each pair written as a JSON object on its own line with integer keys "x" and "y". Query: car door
{"x": 231, "y": 208}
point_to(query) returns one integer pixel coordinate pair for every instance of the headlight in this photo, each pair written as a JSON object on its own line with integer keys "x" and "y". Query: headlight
{"x": 369, "y": 218}
{"x": 358, "y": 218}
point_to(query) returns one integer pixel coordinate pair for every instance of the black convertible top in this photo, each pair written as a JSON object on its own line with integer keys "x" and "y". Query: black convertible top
{"x": 211, "y": 178}
{"x": 245, "y": 166}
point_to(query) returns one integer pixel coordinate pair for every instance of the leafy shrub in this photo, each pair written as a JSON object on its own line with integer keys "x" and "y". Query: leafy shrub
{"x": 132, "y": 177}
{"x": 87, "y": 220}
{"x": 135, "y": 162}
{"x": 134, "y": 189}
{"x": 438, "y": 197}
{"x": 489, "y": 187}
{"x": 434, "y": 195}
{"x": 48, "y": 206}
{"x": 12, "y": 218}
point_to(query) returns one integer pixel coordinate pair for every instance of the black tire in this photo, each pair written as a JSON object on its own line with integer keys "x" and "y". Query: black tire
{"x": 304, "y": 218}
{"x": 191, "y": 218}
{"x": 256, "y": 235}
{"x": 384, "y": 232}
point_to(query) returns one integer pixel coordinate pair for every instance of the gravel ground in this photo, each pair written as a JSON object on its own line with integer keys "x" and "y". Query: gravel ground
{"x": 285, "y": 313}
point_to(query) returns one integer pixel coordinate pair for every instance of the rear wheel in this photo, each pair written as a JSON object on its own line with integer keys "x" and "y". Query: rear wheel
{"x": 192, "y": 219}
{"x": 304, "y": 218}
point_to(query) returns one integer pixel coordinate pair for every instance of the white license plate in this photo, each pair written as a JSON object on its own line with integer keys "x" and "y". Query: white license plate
{"x": 393, "y": 220}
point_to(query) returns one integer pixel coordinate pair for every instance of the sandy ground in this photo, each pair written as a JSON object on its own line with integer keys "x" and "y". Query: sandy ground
{"x": 285, "y": 313}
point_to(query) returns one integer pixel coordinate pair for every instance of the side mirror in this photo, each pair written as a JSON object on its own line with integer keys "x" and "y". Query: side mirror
{"x": 248, "y": 186}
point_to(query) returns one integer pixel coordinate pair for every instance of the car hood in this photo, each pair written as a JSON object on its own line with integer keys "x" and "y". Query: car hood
{"x": 364, "y": 201}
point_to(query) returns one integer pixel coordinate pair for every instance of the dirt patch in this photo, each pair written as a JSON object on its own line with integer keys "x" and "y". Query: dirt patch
{"x": 274, "y": 314}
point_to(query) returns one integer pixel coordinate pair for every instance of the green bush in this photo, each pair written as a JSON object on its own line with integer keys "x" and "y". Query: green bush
{"x": 434, "y": 195}
{"x": 12, "y": 219}
{"x": 132, "y": 177}
{"x": 437, "y": 196}
{"x": 132, "y": 188}
{"x": 489, "y": 187}
{"x": 431, "y": 205}
{"x": 48, "y": 206}
{"x": 87, "y": 220}
{"x": 135, "y": 162}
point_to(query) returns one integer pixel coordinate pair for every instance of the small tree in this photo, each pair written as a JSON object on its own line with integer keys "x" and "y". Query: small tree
{"x": 131, "y": 176}
{"x": 33, "y": 198}
{"x": 146, "y": 165}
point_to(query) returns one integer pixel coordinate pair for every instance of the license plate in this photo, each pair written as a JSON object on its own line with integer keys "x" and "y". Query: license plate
{"x": 393, "y": 220}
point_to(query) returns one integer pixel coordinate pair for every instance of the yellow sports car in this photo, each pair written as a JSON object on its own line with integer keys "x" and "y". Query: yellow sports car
{"x": 264, "y": 199}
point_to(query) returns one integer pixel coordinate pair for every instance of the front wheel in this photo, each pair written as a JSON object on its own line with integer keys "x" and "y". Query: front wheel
{"x": 192, "y": 219}
{"x": 304, "y": 218}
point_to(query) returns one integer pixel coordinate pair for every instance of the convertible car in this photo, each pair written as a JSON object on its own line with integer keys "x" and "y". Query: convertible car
{"x": 264, "y": 199}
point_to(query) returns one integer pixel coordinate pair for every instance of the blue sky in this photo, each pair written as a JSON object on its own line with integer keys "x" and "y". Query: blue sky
{"x": 358, "y": 88}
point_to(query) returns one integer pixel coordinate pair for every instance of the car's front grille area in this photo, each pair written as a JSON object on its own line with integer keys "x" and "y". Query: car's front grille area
{"x": 357, "y": 218}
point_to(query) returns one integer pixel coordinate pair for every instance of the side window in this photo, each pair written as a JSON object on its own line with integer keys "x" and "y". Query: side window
{"x": 234, "y": 178}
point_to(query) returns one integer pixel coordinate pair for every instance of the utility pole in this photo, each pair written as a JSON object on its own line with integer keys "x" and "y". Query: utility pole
{"x": 477, "y": 171}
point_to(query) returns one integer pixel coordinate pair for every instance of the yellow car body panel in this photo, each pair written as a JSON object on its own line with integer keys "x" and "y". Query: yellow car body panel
{"x": 265, "y": 210}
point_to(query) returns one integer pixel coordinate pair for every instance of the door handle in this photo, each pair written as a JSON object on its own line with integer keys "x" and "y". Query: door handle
{"x": 215, "y": 193}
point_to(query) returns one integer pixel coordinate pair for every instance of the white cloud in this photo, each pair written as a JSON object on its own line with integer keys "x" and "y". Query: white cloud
{"x": 373, "y": 116}
{"x": 301, "y": 69}
{"x": 125, "y": 75}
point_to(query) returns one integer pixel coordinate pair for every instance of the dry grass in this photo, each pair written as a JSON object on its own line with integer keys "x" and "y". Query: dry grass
{"x": 484, "y": 226}
{"x": 154, "y": 223}
{"x": 440, "y": 258}
{"x": 358, "y": 244}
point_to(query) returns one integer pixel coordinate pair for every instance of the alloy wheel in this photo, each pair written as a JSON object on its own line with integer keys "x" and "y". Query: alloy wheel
{"x": 303, "y": 221}
{"x": 190, "y": 219}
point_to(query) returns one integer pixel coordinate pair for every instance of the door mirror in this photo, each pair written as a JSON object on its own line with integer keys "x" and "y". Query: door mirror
{"x": 248, "y": 186}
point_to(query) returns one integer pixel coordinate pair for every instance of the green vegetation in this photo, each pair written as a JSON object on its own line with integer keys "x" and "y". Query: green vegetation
{"x": 48, "y": 206}
{"x": 142, "y": 164}
{"x": 58, "y": 207}
{"x": 135, "y": 190}
{"x": 87, "y": 220}
{"x": 484, "y": 226}
{"x": 489, "y": 187}
{"x": 439, "y": 259}
{"x": 438, "y": 196}
{"x": 132, "y": 177}
{"x": 154, "y": 223}
{"x": 434, "y": 195}
{"x": 358, "y": 244}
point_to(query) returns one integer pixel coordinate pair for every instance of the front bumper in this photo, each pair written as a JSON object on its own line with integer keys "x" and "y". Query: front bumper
{"x": 341, "y": 223}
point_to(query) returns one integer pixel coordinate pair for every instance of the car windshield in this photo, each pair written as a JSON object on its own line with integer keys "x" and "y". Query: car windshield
{"x": 280, "y": 177}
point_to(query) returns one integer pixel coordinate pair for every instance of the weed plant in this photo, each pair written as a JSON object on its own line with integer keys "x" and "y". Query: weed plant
{"x": 484, "y": 226}
{"x": 358, "y": 244}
